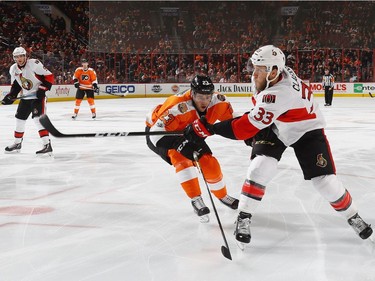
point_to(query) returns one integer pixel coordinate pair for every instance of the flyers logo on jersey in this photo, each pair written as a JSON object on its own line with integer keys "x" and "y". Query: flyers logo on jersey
{"x": 269, "y": 99}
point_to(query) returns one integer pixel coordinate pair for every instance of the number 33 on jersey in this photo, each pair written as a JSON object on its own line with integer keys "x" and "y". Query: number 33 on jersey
{"x": 289, "y": 104}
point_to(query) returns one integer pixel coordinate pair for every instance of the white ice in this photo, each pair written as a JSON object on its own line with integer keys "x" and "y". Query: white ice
{"x": 110, "y": 209}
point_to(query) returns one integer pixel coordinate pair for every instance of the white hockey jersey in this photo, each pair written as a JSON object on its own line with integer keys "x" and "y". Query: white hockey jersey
{"x": 289, "y": 105}
{"x": 30, "y": 77}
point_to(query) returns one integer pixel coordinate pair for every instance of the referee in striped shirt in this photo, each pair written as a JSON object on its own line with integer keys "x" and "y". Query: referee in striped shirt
{"x": 328, "y": 83}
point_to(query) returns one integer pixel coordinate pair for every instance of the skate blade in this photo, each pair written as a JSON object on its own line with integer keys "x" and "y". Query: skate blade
{"x": 12, "y": 152}
{"x": 371, "y": 238}
{"x": 45, "y": 155}
{"x": 369, "y": 244}
{"x": 241, "y": 245}
{"x": 204, "y": 219}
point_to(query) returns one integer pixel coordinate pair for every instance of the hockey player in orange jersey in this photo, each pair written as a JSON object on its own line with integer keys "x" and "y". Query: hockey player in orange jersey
{"x": 176, "y": 113}
{"x": 87, "y": 84}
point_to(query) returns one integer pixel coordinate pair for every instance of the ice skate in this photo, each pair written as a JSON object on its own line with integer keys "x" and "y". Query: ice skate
{"x": 93, "y": 115}
{"x": 46, "y": 150}
{"x": 242, "y": 232}
{"x": 230, "y": 202}
{"x": 74, "y": 116}
{"x": 14, "y": 148}
{"x": 363, "y": 229}
{"x": 200, "y": 209}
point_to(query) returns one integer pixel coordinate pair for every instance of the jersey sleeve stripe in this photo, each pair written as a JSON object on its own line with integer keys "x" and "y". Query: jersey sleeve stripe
{"x": 243, "y": 129}
{"x": 296, "y": 115}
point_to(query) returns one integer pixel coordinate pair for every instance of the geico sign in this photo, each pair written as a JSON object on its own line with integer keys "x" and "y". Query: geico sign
{"x": 121, "y": 89}
{"x": 319, "y": 87}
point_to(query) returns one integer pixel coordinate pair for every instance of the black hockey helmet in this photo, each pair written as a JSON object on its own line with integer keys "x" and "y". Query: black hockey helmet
{"x": 202, "y": 84}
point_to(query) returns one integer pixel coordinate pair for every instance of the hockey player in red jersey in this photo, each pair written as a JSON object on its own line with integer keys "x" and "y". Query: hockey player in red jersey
{"x": 176, "y": 113}
{"x": 32, "y": 79}
{"x": 284, "y": 114}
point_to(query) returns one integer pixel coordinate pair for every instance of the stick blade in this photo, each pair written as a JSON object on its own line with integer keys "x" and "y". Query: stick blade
{"x": 226, "y": 253}
{"x": 47, "y": 124}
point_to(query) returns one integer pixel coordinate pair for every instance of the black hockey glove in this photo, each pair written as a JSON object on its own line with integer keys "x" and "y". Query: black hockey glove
{"x": 187, "y": 149}
{"x": 76, "y": 83}
{"x": 249, "y": 142}
{"x": 96, "y": 88}
{"x": 198, "y": 130}
{"x": 41, "y": 92}
{"x": 8, "y": 99}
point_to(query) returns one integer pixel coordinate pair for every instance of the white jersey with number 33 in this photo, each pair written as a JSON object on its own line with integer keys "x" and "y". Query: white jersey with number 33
{"x": 289, "y": 104}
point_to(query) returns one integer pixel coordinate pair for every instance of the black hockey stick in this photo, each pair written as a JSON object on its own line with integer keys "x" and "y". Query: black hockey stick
{"x": 370, "y": 95}
{"x": 47, "y": 124}
{"x": 224, "y": 249}
{"x": 33, "y": 95}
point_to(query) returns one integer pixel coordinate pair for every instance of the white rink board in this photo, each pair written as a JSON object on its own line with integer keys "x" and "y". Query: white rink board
{"x": 67, "y": 92}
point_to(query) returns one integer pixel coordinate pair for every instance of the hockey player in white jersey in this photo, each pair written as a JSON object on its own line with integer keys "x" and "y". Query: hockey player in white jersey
{"x": 30, "y": 78}
{"x": 284, "y": 114}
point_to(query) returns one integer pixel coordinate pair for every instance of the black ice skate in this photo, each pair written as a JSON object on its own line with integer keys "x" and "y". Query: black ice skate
{"x": 363, "y": 229}
{"x": 14, "y": 148}
{"x": 242, "y": 232}
{"x": 74, "y": 116}
{"x": 47, "y": 149}
{"x": 230, "y": 202}
{"x": 200, "y": 209}
{"x": 93, "y": 116}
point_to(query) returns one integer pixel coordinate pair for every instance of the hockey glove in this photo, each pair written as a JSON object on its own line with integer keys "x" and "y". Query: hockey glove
{"x": 249, "y": 142}
{"x": 96, "y": 88}
{"x": 76, "y": 84}
{"x": 8, "y": 99}
{"x": 186, "y": 148}
{"x": 198, "y": 130}
{"x": 41, "y": 92}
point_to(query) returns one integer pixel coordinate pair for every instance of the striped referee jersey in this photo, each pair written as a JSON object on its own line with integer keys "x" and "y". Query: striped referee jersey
{"x": 328, "y": 80}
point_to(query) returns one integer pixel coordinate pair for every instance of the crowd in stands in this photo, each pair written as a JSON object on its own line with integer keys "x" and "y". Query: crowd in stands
{"x": 138, "y": 41}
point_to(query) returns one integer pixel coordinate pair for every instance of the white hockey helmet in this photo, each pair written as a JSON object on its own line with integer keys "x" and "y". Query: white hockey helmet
{"x": 18, "y": 52}
{"x": 269, "y": 56}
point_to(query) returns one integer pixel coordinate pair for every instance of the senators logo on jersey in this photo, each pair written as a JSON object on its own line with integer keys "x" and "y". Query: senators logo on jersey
{"x": 26, "y": 83}
{"x": 321, "y": 161}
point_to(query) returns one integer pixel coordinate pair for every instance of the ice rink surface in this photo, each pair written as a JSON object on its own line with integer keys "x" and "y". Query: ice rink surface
{"x": 109, "y": 209}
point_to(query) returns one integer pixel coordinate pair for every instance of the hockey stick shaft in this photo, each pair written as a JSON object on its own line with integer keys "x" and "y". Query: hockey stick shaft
{"x": 33, "y": 95}
{"x": 47, "y": 124}
{"x": 224, "y": 249}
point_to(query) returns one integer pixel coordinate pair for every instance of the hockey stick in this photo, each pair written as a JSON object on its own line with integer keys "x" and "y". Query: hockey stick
{"x": 47, "y": 124}
{"x": 33, "y": 95}
{"x": 370, "y": 95}
{"x": 224, "y": 249}
{"x": 123, "y": 95}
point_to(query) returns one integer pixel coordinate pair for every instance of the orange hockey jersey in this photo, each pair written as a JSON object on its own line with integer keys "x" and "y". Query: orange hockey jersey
{"x": 178, "y": 111}
{"x": 85, "y": 77}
